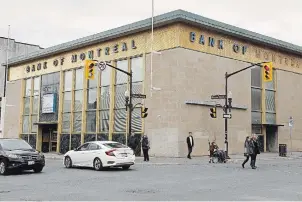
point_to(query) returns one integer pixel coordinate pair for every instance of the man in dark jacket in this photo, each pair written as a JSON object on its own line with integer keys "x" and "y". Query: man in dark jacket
{"x": 145, "y": 147}
{"x": 133, "y": 142}
{"x": 190, "y": 143}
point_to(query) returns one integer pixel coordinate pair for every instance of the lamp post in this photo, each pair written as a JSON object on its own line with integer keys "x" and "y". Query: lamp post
{"x": 129, "y": 106}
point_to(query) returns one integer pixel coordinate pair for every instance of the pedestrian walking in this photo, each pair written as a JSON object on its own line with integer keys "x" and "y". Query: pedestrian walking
{"x": 212, "y": 147}
{"x": 256, "y": 150}
{"x": 145, "y": 147}
{"x": 190, "y": 143}
{"x": 247, "y": 150}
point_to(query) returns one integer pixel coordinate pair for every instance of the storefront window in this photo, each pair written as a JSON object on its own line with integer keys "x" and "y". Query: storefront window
{"x": 67, "y": 102}
{"x": 106, "y": 76}
{"x": 67, "y": 81}
{"x": 34, "y": 127}
{"x": 66, "y": 123}
{"x": 27, "y": 87}
{"x": 105, "y": 98}
{"x": 92, "y": 98}
{"x": 79, "y": 76}
{"x": 26, "y": 106}
{"x": 77, "y": 121}
{"x": 121, "y": 78}
{"x": 104, "y": 121}
{"x": 78, "y": 99}
{"x": 36, "y": 86}
{"x": 91, "y": 121}
{"x": 137, "y": 69}
{"x": 25, "y": 124}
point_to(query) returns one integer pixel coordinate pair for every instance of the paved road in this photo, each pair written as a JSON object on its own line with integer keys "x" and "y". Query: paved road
{"x": 273, "y": 180}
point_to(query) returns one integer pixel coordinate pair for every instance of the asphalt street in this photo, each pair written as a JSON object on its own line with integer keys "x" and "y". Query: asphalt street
{"x": 279, "y": 179}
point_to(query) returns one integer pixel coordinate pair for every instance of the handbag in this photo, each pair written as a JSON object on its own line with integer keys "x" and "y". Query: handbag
{"x": 245, "y": 151}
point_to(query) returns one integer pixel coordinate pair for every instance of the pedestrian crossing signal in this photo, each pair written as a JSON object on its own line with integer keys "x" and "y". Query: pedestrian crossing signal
{"x": 267, "y": 71}
{"x": 213, "y": 112}
{"x": 89, "y": 69}
{"x": 144, "y": 113}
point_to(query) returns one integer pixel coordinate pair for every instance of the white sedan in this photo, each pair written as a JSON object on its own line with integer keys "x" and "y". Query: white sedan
{"x": 100, "y": 154}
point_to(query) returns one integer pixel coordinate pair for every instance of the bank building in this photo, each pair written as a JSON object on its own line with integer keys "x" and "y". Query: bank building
{"x": 56, "y": 108}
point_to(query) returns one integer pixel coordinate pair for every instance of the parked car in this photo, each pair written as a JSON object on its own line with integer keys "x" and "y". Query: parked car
{"x": 17, "y": 154}
{"x": 100, "y": 154}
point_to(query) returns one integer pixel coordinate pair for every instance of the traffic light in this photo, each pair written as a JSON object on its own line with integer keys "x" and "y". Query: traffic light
{"x": 213, "y": 112}
{"x": 144, "y": 113}
{"x": 267, "y": 71}
{"x": 89, "y": 69}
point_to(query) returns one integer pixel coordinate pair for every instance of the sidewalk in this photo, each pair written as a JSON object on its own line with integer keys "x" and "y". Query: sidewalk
{"x": 195, "y": 160}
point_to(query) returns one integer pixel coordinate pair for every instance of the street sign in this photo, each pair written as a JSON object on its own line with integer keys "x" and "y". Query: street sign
{"x": 139, "y": 96}
{"x": 102, "y": 65}
{"x": 291, "y": 122}
{"x": 218, "y": 96}
{"x": 227, "y": 116}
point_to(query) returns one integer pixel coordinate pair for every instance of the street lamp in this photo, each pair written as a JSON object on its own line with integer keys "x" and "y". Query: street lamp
{"x": 127, "y": 97}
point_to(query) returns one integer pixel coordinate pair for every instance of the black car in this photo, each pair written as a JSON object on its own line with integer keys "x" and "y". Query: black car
{"x": 17, "y": 154}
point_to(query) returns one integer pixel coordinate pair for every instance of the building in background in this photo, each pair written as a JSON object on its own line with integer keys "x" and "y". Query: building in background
{"x": 15, "y": 49}
{"x": 60, "y": 109}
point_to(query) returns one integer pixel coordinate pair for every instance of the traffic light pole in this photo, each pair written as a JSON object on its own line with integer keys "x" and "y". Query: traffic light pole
{"x": 226, "y": 107}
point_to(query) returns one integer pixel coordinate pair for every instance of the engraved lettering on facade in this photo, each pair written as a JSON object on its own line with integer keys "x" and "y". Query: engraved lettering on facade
{"x": 265, "y": 55}
{"x": 115, "y": 48}
{"x": 244, "y": 49}
{"x": 220, "y": 44}
{"x": 201, "y": 40}
{"x": 62, "y": 60}
{"x": 192, "y": 36}
{"x": 286, "y": 61}
{"x": 133, "y": 44}
{"x": 273, "y": 57}
{"x": 292, "y": 60}
{"x": 236, "y": 48}
{"x": 55, "y": 63}
{"x": 99, "y": 52}
{"x": 211, "y": 41}
{"x": 28, "y": 69}
{"x": 39, "y": 66}
{"x": 82, "y": 56}
{"x": 74, "y": 58}
{"x": 45, "y": 65}
{"x": 124, "y": 47}
{"x": 33, "y": 68}
{"x": 107, "y": 49}
{"x": 90, "y": 55}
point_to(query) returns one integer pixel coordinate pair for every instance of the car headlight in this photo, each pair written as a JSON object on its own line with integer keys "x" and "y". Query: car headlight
{"x": 14, "y": 156}
{"x": 40, "y": 156}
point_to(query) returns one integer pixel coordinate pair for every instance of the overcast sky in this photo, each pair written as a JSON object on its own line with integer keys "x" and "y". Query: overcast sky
{"x": 52, "y": 22}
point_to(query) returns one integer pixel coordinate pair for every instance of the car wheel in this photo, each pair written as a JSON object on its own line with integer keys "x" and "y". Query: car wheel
{"x": 3, "y": 167}
{"x": 126, "y": 167}
{"x": 38, "y": 169}
{"x": 97, "y": 164}
{"x": 68, "y": 162}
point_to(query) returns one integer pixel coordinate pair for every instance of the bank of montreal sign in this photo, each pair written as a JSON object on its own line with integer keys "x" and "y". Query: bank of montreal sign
{"x": 48, "y": 103}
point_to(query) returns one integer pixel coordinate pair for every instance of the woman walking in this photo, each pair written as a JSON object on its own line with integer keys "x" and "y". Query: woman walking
{"x": 256, "y": 151}
{"x": 247, "y": 150}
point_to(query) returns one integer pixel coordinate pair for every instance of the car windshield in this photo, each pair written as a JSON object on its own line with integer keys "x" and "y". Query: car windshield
{"x": 8, "y": 144}
{"x": 114, "y": 145}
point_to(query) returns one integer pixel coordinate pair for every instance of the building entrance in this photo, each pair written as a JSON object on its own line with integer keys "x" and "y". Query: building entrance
{"x": 271, "y": 138}
{"x": 49, "y": 138}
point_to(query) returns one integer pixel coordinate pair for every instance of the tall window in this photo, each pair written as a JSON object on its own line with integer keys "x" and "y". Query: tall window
{"x": 256, "y": 83}
{"x": 121, "y": 85}
{"x": 104, "y": 103}
{"x": 91, "y": 105}
{"x": 35, "y": 104}
{"x": 30, "y": 110}
{"x": 66, "y": 118}
{"x": 257, "y": 110}
{"x": 78, "y": 100}
{"x": 137, "y": 87}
